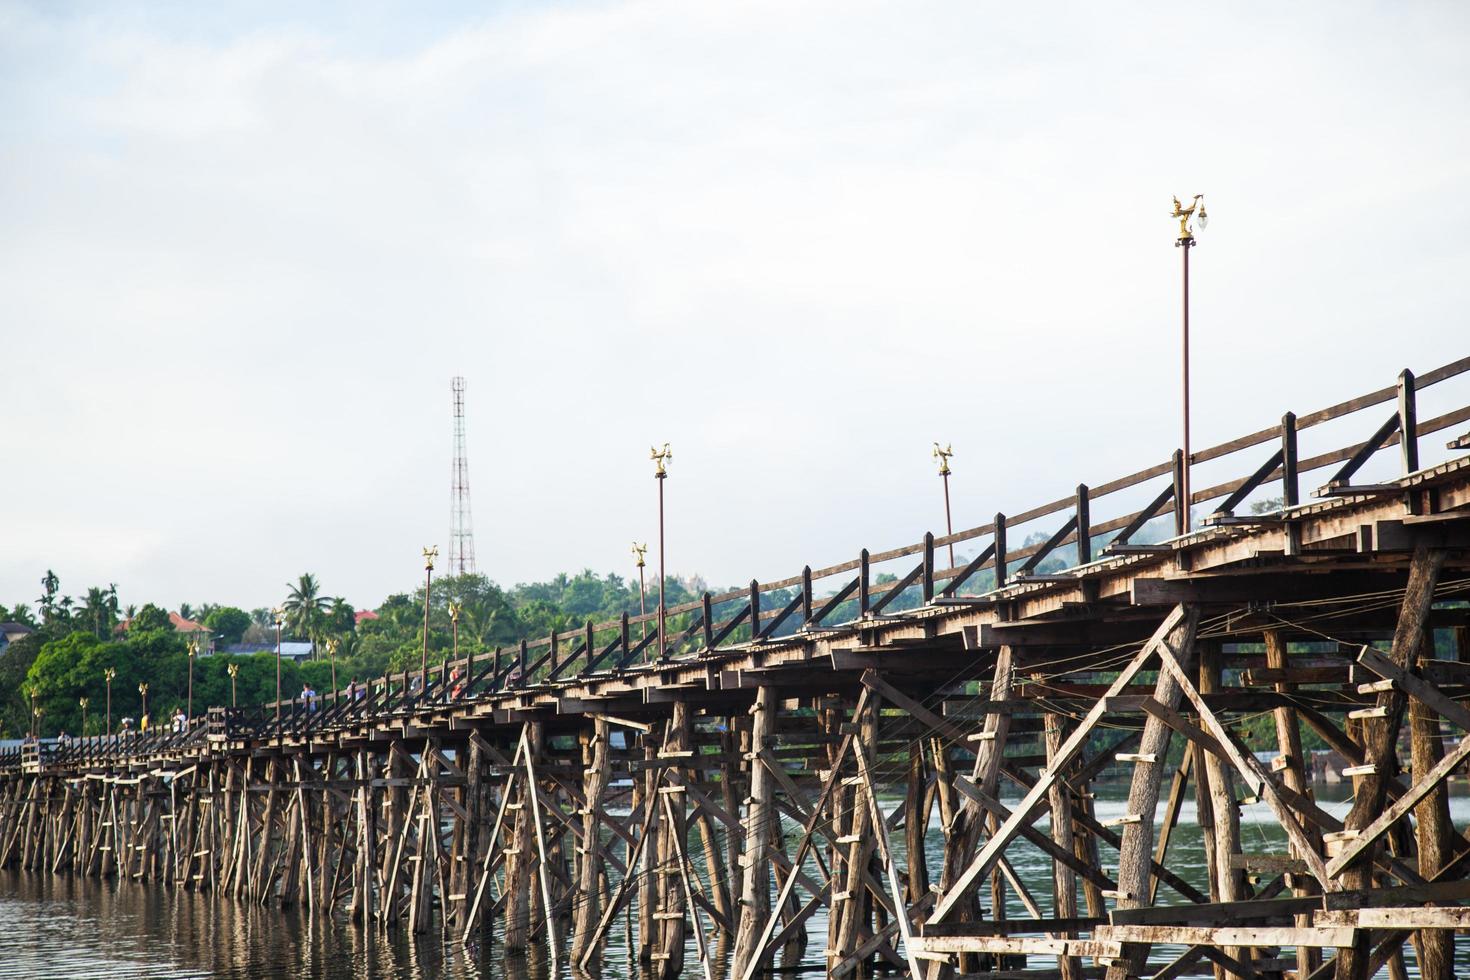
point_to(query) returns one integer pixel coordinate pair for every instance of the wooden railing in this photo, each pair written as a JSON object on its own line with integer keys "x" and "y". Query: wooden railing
{"x": 763, "y": 610}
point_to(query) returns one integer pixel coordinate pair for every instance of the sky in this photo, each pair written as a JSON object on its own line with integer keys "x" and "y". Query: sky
{"x": 245, "y": 246}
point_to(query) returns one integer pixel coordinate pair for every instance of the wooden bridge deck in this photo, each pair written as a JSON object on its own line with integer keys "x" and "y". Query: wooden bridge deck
{"x": 493, "y": 805}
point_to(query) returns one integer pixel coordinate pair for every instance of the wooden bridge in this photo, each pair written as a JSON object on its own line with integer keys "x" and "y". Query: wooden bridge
{"x": 730, "y": 790}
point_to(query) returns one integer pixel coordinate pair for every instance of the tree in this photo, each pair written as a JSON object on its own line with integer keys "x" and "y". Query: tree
{"x": 228, "y": 623}
{"x": 305, "y": 606}
{"x": 340, "y": 619}
{"x": 186, "y": 611}
{"x": 99, "y": 611}
{"x": 19, "y": 613}
{"x": 150, "y": 617}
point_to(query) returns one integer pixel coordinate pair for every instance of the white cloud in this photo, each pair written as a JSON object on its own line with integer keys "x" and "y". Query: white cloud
{"x": 245, "y": 251}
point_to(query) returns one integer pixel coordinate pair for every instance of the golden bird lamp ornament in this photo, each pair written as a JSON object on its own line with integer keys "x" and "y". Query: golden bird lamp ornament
{"x": 661, "y": 458}
{"x": 943, "y": 456}
{"x": 1184, "y": 214}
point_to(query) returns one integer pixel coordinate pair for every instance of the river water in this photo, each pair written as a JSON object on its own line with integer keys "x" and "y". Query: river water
{"x": 62, "y": 927}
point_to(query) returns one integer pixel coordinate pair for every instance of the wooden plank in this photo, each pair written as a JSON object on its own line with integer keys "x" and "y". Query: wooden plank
{"x": 1017, "y": 945}
{"x": 1412, "y": 918}
{"x": 1323, "y": 936}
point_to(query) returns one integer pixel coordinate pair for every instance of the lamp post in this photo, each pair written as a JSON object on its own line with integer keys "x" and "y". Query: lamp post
{"x": 1185, "y": 242}
{"x": 83, "y": 702}
{"x": 193, "y": 651}
{"x": 639, "y": 550}
{"x": 278, "y": 614}
{"x": 429, "y": 555}
{"x": 661, "y": 458}
{"x": 39, "y": 711}
{"x": 234, "y": 671}
{"x": 143, "y": 690}
{"x": 332, "y": 654}
{"x": 454, "y": 609}
{"x": 108, "y": 675}
{"x": 35, "y": 716}
{"x": 943, "y": 456}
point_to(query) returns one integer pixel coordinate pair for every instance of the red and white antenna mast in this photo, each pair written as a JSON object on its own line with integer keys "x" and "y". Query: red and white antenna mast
{"x": 461, "y": 527}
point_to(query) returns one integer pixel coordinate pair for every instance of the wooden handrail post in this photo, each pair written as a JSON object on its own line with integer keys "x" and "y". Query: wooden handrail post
{"x": 863, "y": 584}
{"x": 1000, "y": 550}
{"x": 623, "y": 635}
{"x": 521, "y": 662}
{"x": 555, "y": 652}
{"x": 1408, "y": 422}
{"x": 587, "y": 654}
{"x": 1084, "y": 525}
{"x": 755, "y": 609}
{"x": 928, "y": 567}
{"x": 1290, "y": 489}
{"x": 709, "y": 620}
{"x": 806, "y": 594}
{"x": 1181, "y": 506}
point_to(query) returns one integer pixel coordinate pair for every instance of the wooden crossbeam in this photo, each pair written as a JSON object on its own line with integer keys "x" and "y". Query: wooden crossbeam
{"x": 990, "y": 853}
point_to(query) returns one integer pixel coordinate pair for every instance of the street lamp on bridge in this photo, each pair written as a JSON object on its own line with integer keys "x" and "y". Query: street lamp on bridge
{"x": 193, "y": 652}
{"x": 143, "y": 690}
{"x": 639, "y": 550}
{"x": 430, "y": 554}
{"x": 234, "y": 671}
{"x": 661, "y": 458}
{"x": 1186, "y": 242}
{"x": 108, "y": 675}
{"x": 455, "y": 608}
{"x": 83, "y": 702}
{"x": 332, "y": 653}
{"x": 943, "y": 456}
{"x": 278, "y": 615}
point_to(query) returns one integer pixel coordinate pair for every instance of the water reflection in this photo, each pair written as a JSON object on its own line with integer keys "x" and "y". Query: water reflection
{"x": 64, "y": 927}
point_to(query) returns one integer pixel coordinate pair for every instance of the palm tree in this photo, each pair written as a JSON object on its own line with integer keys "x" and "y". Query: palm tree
{"x": 98, "y": 612}
{"x": 305, "y": 607}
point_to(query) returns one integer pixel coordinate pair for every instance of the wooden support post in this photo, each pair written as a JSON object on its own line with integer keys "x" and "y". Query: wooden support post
{"x": 1135, "y": 856}
{"x": 1223, "y": 804}
{"x": 669, "y": 957}
{"x": 521, "y": 855}
{"x": 647, "y": 890}
{"x": 531, "y": 735}
{"x": 916, "y": 824}
{"x": 1379, "y": 736}
{"x": 587, "y": 902}
{"x": 864, "y": 584}
{"x": 853, "y": 905}
{"x": 968, "y": 822}
{"x": 1064, "y": 879}
{"x": 755, "y": 861}
{"x": 1433, "y": 830}
{"x": 1289, "y": 745}
{"x": 880, "y": 834}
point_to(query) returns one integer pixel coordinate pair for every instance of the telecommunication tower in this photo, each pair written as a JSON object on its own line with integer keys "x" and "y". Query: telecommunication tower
{"x": 461, "y": 528}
